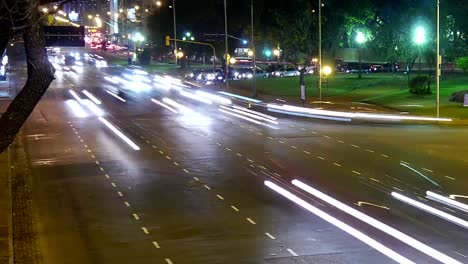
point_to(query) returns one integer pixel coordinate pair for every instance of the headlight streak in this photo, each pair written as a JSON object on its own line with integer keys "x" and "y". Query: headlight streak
{"x": 254, "y": 112}
{"x": 116, "y": 96}
{"x": 419, "y": 173}
{"x": 250, "y": 115}
{"x": 164, "y": 105}
{"x": 92, "y": 107}
{"x": 92, "y": 97}
{"x": 341, "y": 225}
{"x": 196, "y": 97}
{"x": 245, "y": 118}
{"x": 445, "y": 200}
{"x": 215, "y": 98}
{"x": 77, "y": 98}
{"x": 119, "y": 133}
{"x": 241, "y": 97}
{"x": 308, "y": 115}
{"x": 78, "y": 111}
{"x": 431, "y": 210}
{"x": 377, "y": 224}
{"x": 181, "y": 108}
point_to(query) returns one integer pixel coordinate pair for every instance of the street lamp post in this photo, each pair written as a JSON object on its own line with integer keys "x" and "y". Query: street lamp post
{"x": 419, "y": 39}
{"x": 137, "y": 37}
{"x": 438, "y": 60}
{"x": 254, "y": 89}
{"x": 360, "y": 38}
{"x": 320, "y": 51}
{"x": 226, "y": 43}
{"x": 175, "y": 30}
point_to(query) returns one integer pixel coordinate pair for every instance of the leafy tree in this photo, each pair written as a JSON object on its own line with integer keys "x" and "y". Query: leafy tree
{"x": 462, "y": 63}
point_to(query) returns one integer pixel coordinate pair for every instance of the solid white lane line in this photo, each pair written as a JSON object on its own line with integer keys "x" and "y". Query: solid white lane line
{"x": 136, "y": 217}
{"x": 235, "y": 208}
{"x": 251, "y": 221}
{"x": 156, "y": 245}
{"x": 145, "y": 230}
{"x": 447, "y": 201}
{"x": 334, "y": 221}
{"x": 270, "y": 236}
{"x": 431, "y": 210}
{"x": 377, "y": 224}
{"x": 220, "y": 197}
{"x": 292, "y": 252}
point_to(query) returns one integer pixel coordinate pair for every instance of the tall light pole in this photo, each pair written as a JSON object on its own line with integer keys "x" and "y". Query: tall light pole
{"x": 360, "y": 39}
{"x": 320, "y": 50}
{"x": 226, "y": 42}
{"x": 438, "y": 60}
{"x": 175, "y": 31}
{"x": 254, "y": 90}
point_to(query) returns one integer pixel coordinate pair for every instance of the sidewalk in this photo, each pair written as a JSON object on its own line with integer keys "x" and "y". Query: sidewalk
{"x": 5, "y": 210}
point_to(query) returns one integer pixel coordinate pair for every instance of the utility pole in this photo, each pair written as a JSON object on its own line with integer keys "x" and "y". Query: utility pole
{"x": 320, "y": 51}
{"x": 254, "y": 90}
{"x": 439, "y": 61}
{"x": 226, "y": 41}
{"x": 175, "y": 31}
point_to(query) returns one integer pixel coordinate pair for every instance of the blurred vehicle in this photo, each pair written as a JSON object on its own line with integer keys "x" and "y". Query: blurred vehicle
{"x": 287, "y": 71}
{"x": 210, "y": 76}
{"x": 194, "y": 75}
{"x": 69, "y": 60}
{"x": 270, "y": 69}
{"x": 310, "y": 69}
{"x": 3, "y": 68}
{"x": 376, "y": 68}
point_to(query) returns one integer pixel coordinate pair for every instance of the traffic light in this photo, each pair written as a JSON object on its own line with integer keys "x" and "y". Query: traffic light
{"x": 168, "y": 41}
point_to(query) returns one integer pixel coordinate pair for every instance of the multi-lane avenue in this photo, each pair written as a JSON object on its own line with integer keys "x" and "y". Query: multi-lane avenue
{"x": 165, "y": 174}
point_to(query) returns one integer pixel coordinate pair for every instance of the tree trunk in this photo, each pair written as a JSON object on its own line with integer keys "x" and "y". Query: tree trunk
{"x": 40, "y": 75}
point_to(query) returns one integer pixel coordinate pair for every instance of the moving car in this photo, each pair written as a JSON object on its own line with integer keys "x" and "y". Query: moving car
{"x": 286, "y": 72}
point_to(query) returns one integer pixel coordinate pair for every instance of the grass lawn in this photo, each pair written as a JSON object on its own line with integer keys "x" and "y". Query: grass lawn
{"x": 389, "y": 90}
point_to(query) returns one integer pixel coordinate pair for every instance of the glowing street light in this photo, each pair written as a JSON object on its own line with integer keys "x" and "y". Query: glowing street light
{"x": 180, "y": 54}
{"x": 232, "y": 60}
{"x": 158, "y": 3}
{"x": 45, "y": 10}
{"x": 419, "y": 39}
{"x": 360, "y": 39}
{"x": 138, "y": 37}
{"x": 98, "y": 22}
{"x": 121, "y": 10}
{"x": 327, "y": 70}
{"x": 250, "y": 53}
{"x": 137, "y": 7}
{"x": 90, "y": 16}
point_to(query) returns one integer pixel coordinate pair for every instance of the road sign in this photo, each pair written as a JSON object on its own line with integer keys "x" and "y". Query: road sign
{"x": 64, "y": 36}
{"x": 465, "y": 102}
{"x": 168, "y": 41}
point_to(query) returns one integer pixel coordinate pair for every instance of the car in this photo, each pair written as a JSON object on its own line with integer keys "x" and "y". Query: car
{"x": 286, "y": 72}
{"x": 212, "y": 76}
{"x": 376, "y": 68}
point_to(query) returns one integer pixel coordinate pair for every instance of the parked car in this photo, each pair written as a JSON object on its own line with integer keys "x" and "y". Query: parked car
{"x": 376, "y": 68}
{"x": 286, "y": 72}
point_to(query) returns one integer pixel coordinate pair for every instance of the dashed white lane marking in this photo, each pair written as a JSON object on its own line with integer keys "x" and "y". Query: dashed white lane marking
{"x": 269, "y": 137}
{"x": 428, "y": 170}
{"x": 251, "y": 165}
{"x": 385, "y": 156}
{"x": 142, "y": 137}
{"x": 113, "y": 184}
{"x": 294, "y": 147}
{"x": 207, "y": 187}
{"x": 251, "y": 161}
{"x": 162, "y": 152}
{"x": 251, "y": 221}
{"x": 86, "y": 146}
{"x": 322, "y": 158}
{"x": 270, "y": 236}
{"x": 252, "y": 172}
{"x": 292, "y": 252}
{"x": 238, "y": 154}
{"x": 156, "y": 245}
{"x": 374, "y": 179}
{"x": 217, "y": 143}
{"x": 169, "y": 158}
{"x": 220, "y": 197}
{"x": 303, "y": 129}
{"x": 107, "y": 176}
{"x": 306, "y": 152}
{"x": 355, "y": 146}
{"x": 92, "y": 156}
{"x": 448, "y": 177}
{"x": 168, "y": 261}
{"x": 458, "y": 253}
{"x": 325, "y": 136}
{"x": 101, "y": 168}
{"x": 276, "y": 174}
{"x": 147, "y": 141}
{"x": 337, "y": 164}
{"x": 235, "y": 208}
{"x": 228, "y": 149}
{"x": 175, "y": 163}
{"x": 154, "y": 146}
{"x": 145, "y": 230}
{"x": 120, "y": 194}
{"x": 281, "y": 142}
{"x": 340, "y": 141}
{"x": 97, "y": 162}
{"x": 398, "y": 189}
{"x": 186, "y": 171}
{"x": 127, "y": 204}
{"x": 195, "y": 178}
{"x": 313, "y": 132}
{"x": 89, "y": 150}
{"x": 356, "y": 172}
{"x": 260, "y": 134}
{"x": 402, "y": 161}
{"x": 81, "y": 140}
{"x": 370, "y": 150}
{"x": 136, "y": 217}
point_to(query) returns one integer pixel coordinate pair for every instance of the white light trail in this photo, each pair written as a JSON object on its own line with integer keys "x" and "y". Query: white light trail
{"x": 310, "y": 115}
{"x": 78, "y": 111}
{"x": 77, "y": 98}
{"x": 92, "y": 97}
{"x": 255, "y": 112}
{"x": 446, "y": 200}
{"x": 112, "y": 80}
{"x": 119, "y": 133}
{"x": 419, "y": 173}
{"x": 431, "y": 210}
{"x": 196, "y": 97}
{"x": 92, "y": 107}
{"x": 213, "y": 97}
{"x": 116, "y": 96}
{"x": 377, "y": 224}
{"x": 240, "y": 116}
{"x": 250, "y": 115}
{"x": 164, "y": 105}
{"x": 241, "y": 97}
{"x": 341, "y": 225}
{"x": 182, "y": 109}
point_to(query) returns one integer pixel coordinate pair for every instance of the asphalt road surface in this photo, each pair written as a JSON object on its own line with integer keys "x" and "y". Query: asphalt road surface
{"x": 185, "y": 182}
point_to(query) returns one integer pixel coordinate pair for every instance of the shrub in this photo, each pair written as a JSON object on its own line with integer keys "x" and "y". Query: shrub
{"x": 458, "y": 97}
{"x": 418, "y": 85}
{"x": 144, "y": 57}
{"x": 462, "y": 63}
